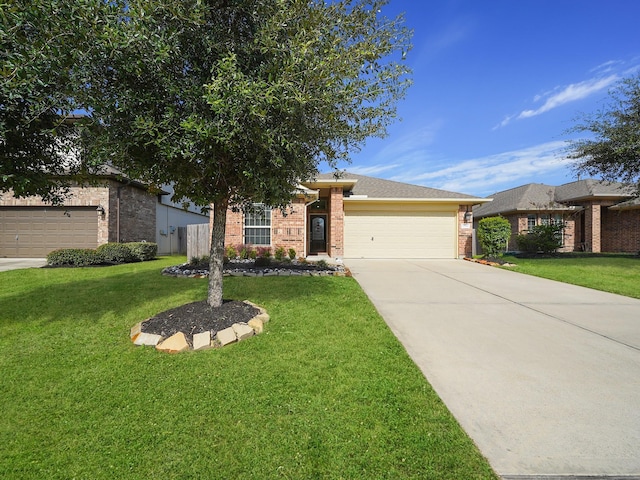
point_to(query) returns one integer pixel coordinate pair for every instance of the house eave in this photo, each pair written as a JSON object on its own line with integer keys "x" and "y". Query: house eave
{"x": 339, "y": 182}
{"x": 456, "y": 201}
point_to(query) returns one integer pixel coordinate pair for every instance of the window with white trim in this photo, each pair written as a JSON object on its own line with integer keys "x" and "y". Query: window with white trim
{"x": 257, "y": 225}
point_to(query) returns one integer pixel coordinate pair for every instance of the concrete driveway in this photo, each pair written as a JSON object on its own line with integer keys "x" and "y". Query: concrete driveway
{"x": 543, "y": 376}
{"x": 16, "y": 263}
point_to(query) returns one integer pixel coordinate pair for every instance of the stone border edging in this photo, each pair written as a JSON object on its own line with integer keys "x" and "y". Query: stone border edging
{"x": 201, "y": 341}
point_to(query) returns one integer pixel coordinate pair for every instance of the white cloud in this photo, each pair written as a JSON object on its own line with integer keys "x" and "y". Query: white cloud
{"x": 570, "y": 93}
{"x": 485, "y": 175}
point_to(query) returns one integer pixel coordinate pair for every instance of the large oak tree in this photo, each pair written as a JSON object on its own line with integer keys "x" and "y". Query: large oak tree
{"x": 237, "y": 101}
{"x": 612, "y": 148}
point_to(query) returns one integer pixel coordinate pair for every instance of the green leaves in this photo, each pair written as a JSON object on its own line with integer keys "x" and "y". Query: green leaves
{"x": 612, "y": 149}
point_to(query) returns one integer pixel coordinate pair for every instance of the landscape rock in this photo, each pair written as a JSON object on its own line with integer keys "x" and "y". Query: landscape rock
{"x": 147, "y": 339}
{"x": 202, "y": 340}
{"x": 174, "y": 344}
{"x": 135, "y": 331}
{"x": 242, "y": 331}
{"x": 257, "y": 325}
{"x": 226, "y": 336}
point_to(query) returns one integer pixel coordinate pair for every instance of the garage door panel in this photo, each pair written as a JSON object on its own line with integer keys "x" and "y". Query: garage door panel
{"x": 36, "y": 231}
{"x": 429, "y": 234}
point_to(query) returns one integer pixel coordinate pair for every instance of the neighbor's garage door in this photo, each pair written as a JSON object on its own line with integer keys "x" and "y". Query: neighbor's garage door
{"x": 389, "y": 234}
{"x": 36, "y": 231}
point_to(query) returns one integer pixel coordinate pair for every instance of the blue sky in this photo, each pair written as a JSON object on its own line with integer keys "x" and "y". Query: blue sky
{"x": 496, "y": 85}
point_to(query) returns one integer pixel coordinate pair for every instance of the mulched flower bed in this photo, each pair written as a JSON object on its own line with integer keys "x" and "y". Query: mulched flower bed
{"x": 198, "y": 317}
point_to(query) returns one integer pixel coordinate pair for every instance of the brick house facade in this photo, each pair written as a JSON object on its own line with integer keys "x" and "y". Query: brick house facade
{"x": 326, "y": 218}
{"x": 598, "y": 216}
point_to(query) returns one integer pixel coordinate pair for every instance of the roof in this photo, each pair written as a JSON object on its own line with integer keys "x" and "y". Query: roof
{"x": 590, "y": 188}
{"x": 632, "y": 204}
{"x": 378, "y": 188}
{"x": 538, "y": 196}
{"x": 532, "y": 196}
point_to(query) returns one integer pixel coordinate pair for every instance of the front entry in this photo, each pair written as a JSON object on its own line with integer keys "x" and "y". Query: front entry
{"x": 318, "y": 234}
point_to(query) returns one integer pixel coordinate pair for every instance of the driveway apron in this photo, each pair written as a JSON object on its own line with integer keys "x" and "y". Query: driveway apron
{"x": 543, "y": 376}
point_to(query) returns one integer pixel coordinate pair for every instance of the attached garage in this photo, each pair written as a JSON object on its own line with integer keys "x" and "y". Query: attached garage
{"x": 36, "y": 231}
{"x": 400, "y": 231}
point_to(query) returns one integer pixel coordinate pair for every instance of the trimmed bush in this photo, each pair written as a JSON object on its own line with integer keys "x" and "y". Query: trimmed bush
{"x": 279, "y": 254}
{"x": 116, "y": 253}
{"x": 292, "y": 254}
{"x": 493, "y": 234}
{"x": 143, "y": 251}
{"x": 74, "y": 257}
{"x": 541, "y": 238}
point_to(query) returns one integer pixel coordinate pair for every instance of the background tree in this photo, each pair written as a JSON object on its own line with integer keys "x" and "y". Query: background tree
{"x": 613, "y": 150}
{"x": 237, "y": 101}
{"x": 43, "y": 45}
{"x": 493, "y": 235}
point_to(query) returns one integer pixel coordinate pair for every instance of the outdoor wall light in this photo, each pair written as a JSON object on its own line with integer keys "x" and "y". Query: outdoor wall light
{"x": 467, "y": 216}
{"x": 100, "y": 210}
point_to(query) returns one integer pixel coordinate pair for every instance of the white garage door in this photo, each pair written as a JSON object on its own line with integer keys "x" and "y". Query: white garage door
{"x": 375, "y": 234}
{"x": 36, "y": 231}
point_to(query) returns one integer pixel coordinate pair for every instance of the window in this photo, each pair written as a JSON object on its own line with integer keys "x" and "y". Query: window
{"x": 531, "y": 221}
{"x": 257, "y": 225}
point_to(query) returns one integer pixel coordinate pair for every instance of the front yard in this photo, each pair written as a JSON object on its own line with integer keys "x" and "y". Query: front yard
{"x": 611, "y": 273}
{"x": 326, "y": 392}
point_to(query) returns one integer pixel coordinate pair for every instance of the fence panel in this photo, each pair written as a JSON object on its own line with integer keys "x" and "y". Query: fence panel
{"x": 198, "y": 240}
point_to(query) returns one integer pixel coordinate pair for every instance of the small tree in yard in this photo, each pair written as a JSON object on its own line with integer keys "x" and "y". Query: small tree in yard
{"x": 493, "y": 234}
{"x": 236, "y": 101}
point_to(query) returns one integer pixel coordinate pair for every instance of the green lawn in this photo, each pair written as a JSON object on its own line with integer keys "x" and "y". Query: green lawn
{"x": 614, "y": 273}
{"x": 326, "y": 392}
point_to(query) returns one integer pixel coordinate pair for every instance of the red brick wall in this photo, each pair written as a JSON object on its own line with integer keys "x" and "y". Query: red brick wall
{"x": 620, "y": 230}
{"x": 465, "y": 234}
{"x": 335, "y": 246}
{"x": 287, "y": 230}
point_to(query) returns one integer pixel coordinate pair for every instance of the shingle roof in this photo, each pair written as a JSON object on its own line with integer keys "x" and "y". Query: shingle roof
{"x": 536, "y": 196}
{"x": 532, "y": 196}
{"x": 590, "y": 188}
{"x": 380, "y": 188}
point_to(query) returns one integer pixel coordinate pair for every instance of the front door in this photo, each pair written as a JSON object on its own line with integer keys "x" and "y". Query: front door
{"x": 318, "y": 233}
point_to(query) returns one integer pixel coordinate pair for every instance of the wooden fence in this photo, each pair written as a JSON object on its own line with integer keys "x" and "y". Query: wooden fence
{"x": 198, "y": 240}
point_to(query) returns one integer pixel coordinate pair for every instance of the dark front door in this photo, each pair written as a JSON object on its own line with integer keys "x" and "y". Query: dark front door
{"x": 318, "y": 233}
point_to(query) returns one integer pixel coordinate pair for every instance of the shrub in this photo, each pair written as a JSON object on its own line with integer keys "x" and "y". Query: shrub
{"x": 493, "y": 234}
{"x": 74, "y": 257}
{"x": 541, "y": 238}
{"x": 143, "y": 251}
{"x": 322, "y": 263}
{"x": 253, "y": 254}
{"x": 263, "y": 252}
{"x": 244, "y": 251}
{"x": 116, "y": 253}
{"x": 279, "y": 254}
{"x": 292, "y": 254}
{"x": 230, "y": 252}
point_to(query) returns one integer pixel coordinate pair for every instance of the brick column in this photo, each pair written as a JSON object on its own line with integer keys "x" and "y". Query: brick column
{"x": 336, "y": 223}
{"x": 592, "y": 227}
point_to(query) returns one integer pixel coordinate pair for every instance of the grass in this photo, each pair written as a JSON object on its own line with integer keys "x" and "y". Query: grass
{"x": 611, "y": 273}
{"x": 326, "y": 392}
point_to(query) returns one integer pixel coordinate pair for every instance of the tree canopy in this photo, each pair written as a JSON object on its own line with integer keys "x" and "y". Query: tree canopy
{"x": 43, "y": 46}
{"x": 612, "y": 150}
{"x": 229, "y": 101}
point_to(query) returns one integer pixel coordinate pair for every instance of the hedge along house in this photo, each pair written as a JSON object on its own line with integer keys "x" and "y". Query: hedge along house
{"x": 116, "y": 210}
{"x": 598, "y": 216}
{"x": 357, "y": 216}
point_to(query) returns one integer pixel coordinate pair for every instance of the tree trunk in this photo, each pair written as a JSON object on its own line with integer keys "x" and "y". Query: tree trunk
{"x": 216, "y": 254}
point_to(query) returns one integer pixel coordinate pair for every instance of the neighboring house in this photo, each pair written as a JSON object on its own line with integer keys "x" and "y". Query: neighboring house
{"x": 598, "y": 216}
{"x": 115, "y": 211}
{"x": 357, "y": 216}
